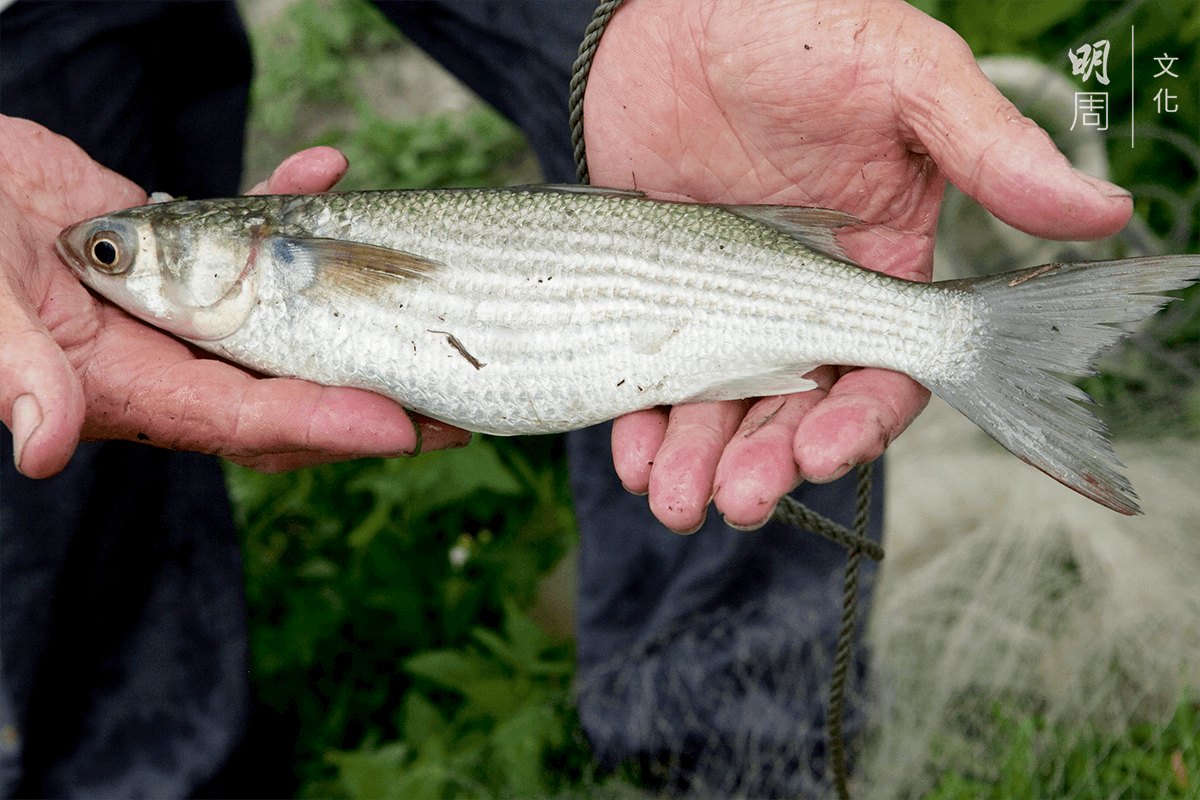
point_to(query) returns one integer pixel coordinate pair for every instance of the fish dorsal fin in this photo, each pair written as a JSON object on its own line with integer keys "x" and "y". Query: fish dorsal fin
{"x": 815, "y": 228}
{"x": 343, "y": 266}
{"x": 578, "y": 188}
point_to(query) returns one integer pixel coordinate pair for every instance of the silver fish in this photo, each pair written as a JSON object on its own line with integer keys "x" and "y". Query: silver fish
{"x": 543, "y": 309}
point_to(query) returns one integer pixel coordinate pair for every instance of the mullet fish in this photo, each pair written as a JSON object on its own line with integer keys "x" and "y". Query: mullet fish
{"x": 544, "y": 309}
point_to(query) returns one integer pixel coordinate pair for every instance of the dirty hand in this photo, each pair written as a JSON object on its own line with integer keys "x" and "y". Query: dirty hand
{"x": 862, "y": 107}
{"x": 76, "y": 368}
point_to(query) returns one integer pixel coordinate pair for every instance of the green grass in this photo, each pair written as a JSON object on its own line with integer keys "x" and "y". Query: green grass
{"x": 1024, "y": 758}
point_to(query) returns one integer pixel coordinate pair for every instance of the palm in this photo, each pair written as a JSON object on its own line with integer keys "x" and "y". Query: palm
{"x": 821, "y": 104}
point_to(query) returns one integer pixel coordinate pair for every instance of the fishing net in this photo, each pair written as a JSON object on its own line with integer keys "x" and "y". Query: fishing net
{"x": 1028, "y": 637}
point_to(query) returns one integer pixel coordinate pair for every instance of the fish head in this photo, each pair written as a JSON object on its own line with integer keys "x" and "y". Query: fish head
{"x": 197, "y": 281}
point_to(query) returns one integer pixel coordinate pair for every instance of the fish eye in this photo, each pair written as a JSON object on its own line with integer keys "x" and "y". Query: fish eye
{"x": 107, "y": 252}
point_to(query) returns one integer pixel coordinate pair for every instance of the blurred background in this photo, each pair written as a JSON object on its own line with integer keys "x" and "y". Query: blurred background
{"x": 411, "y": 619}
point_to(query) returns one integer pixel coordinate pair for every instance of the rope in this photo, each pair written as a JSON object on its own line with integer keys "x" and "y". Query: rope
{"x": 845, "y": 645}
{"x": 579, "y": 76}
{"x": 789, "y": 510}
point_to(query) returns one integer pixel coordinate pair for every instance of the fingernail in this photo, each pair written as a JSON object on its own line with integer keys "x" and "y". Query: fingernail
{"x": 26, "y": 418}
{"x": 1103, "y": 187}
{"x": 832, "y": 475}
{"x": 752, "y": 527}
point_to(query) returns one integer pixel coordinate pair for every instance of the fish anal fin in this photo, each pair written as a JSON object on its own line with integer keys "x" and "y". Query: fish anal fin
{"x": 787, "y": 380}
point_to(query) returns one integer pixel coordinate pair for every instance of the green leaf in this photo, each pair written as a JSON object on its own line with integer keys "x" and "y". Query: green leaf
{"x": 318, "y": 568}
{"x": 452, "y": 669}
{"x": 372, "y": 773}
{"x": 422, "y": 722}
{"x": 519, "y": 745}
{"x": 437, "y": 480}
{"x": 527, "y": 640}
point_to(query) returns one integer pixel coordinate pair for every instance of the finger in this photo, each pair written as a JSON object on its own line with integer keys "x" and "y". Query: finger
{"x": 757, "y": 466}
{"x": 41, "y": 397}
{"x": 636, "y": 439}
{"x": 864, "y": 411}
{"x": 681, "y": 480}
{"x": 987, "y": 148}
{"x": 282, "y": 416}
{"x": 161, "y": 393}
{"x": 273, "y": 423}
{"x": 435, "y": 435}
{"x": 316, "y": 169}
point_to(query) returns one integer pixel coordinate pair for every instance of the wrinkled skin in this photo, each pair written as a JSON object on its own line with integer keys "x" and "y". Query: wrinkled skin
{"x": 863, "y": 107}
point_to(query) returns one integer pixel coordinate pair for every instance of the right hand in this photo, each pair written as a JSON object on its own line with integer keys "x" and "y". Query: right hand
{"x": 76, "y": 368}
{"x": 861, "y": 107}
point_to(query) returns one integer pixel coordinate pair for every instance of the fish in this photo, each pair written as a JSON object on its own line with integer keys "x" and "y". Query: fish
{"x": 544, "y": 309}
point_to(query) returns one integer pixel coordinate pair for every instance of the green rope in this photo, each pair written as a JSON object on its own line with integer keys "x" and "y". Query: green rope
{"x": 792, "y": 512}
{"x": 845, "y": 645}
{"x": 789, "y": 510}
{"x": 579, "y": 76}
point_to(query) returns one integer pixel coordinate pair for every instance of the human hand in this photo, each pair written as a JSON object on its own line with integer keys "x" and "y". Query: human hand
{"x": 75, "y": 368}
{"x": 862, "y": 107}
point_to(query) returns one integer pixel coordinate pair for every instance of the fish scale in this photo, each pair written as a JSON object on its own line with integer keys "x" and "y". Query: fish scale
{"x": 542, "y": 309}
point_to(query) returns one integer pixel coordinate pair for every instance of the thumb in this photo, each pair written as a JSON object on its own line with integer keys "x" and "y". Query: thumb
{"x": 1000, "y": 157}
{"x": 41, "y": 397}
{"x": 316, "y": 169}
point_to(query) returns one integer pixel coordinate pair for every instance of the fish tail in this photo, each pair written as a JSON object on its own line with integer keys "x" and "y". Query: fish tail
{"x": 1057, "y": 319}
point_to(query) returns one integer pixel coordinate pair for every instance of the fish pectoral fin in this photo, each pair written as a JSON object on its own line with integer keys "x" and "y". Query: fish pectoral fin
{"x": 346, "y": 265}
{"x": 813, "y": 227}
{"x": 786, "y": 380}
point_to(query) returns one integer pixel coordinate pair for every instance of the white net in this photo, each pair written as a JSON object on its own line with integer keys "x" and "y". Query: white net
{"x": 1005, "y": 599}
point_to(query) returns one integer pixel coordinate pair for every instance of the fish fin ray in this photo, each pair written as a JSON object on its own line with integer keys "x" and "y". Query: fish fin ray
{"x": 338, "y": 254}
{"x": 815, "y": 228}
{"x": 579, "y": 188}
{"x": 1058, "y": 319}
{"x": 786, "y": 380}
{"x": 343, "y": 266}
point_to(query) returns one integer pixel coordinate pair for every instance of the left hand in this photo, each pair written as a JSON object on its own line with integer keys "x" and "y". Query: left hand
{"x": 75, "y": 368}
{"x": 863, "y": 107}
